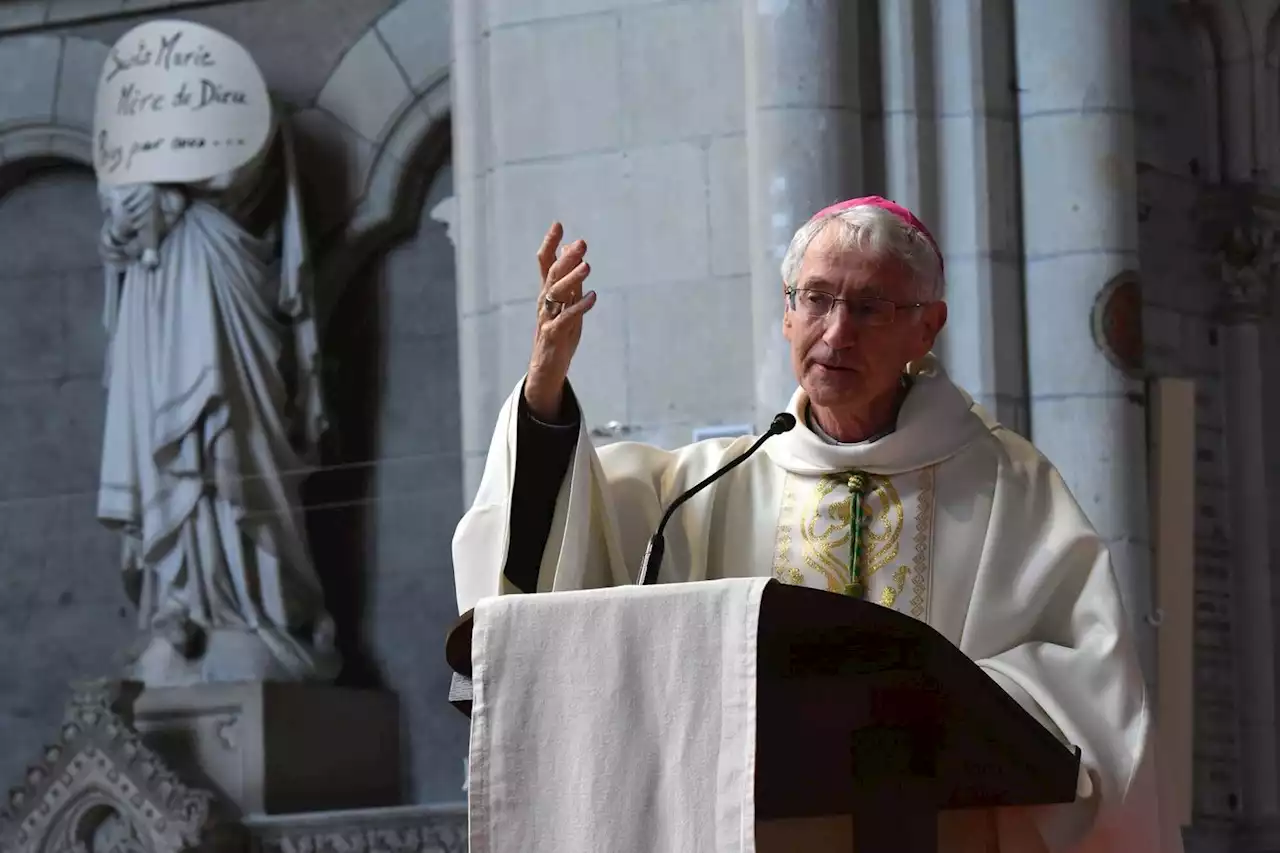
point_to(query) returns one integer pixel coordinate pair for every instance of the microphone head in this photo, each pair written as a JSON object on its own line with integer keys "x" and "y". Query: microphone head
{"x": 782, "y": 422}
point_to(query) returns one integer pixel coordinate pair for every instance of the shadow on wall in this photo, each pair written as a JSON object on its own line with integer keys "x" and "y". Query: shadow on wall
{"x": 382, "y": 510}
{"x": 366, "y": 302}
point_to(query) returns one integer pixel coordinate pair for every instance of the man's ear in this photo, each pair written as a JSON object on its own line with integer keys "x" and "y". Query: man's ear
{"x": 935, "y": 317}
{"x": 786, "y": 314}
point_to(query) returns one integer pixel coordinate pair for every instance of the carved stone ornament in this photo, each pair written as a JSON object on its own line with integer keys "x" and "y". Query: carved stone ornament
{"x": 1249, "y": 263}
{"x": 100, "y": 790}
{"x": 414, "y": 829}
{"x": 1240, "y": 227}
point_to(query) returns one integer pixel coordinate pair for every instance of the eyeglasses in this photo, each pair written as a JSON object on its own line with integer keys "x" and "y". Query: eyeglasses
{"x": 864, "y": 310}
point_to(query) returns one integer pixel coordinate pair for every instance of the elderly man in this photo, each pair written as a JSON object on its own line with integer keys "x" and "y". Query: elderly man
{"x": 894, "y": 487}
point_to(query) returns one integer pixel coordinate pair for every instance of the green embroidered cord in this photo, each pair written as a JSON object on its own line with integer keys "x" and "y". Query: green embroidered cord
{"x": 855, "y": 588}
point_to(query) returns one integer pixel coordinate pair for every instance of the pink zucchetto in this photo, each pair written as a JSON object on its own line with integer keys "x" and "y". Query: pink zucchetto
{"x": 885, "y": 204}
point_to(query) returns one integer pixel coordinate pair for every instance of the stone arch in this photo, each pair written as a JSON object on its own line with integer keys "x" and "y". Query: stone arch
{"x": 1201, "y": 26}
{"x": 51, "y": 116}
{"x": 391, "y": 208}
{"x": 384, "y": 97}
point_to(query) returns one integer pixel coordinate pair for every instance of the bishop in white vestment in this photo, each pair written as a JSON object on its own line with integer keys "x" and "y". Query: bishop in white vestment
{"x": 894, "y": 487}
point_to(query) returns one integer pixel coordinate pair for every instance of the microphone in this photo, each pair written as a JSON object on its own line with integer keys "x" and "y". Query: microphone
{"x": 782, "y": 422}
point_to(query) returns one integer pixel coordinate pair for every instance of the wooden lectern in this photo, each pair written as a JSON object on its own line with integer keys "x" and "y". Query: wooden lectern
{"x": 867, "y": 712}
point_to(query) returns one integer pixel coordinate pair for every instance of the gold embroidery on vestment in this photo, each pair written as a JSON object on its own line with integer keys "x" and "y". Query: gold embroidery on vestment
{"x": 890, "y": 593}
{"x": 813, "y": 544}
{"x": 783, "y": 570}
{"x": 825, "y": 529}
{"x": 921, "y": 563}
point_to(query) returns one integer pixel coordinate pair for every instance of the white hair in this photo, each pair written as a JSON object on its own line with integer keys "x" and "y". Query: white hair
{"x": 877, "y": 233}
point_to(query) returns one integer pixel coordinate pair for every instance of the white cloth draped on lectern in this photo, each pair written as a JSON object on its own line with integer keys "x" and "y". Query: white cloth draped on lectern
{"x": 616, "y": 720}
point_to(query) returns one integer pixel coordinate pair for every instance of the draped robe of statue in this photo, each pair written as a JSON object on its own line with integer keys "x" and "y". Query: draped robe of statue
{"x": 213, "y": 412}
{"x": 970, "y": 530}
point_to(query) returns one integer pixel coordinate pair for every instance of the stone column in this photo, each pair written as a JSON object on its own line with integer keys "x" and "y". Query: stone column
{"x": 804, "y": 151}
{"x": 908, "y": 48}
{"x": 469, "y": 116}
{"x": 1249, "y": 263}
{"x": 1080, "y": 232}
{"x": 472, "y": 157}
{"x": 950, "y": 127}
{"x": 1245, "y": 307}
{"x": 1248, "y": 223}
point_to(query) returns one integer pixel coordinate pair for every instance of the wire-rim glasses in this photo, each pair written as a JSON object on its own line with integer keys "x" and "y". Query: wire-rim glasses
{"x": 864, "y": 310}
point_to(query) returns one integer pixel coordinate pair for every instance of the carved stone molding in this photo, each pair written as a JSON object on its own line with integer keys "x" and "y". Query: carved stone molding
{"x": 99, "y": 789}
{"x": 1249, "y": 264}
{"x": 26, "y": 15}
{"x": 409, "y": 829}
{"x": 1240, "y": 229}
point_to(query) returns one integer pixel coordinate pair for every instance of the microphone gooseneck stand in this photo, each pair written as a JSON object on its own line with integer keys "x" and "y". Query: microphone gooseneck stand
{"x": 783, "y": 422}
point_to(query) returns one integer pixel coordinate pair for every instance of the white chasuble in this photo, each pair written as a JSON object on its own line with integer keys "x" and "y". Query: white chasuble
{"x": 961, "y": 524}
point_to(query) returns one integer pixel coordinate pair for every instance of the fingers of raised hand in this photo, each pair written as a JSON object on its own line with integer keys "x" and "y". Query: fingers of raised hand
{"x": 570, "y": 257}
{"x": 563, "y": 274}
{"x": 547, "y": 251}
{"x": 554, "y": 314}
{"x": 568, "y": 288}
{"x": 572, "y": 314}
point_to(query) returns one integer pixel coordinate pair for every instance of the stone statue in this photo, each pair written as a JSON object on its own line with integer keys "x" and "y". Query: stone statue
{"x": 213, "y": 415}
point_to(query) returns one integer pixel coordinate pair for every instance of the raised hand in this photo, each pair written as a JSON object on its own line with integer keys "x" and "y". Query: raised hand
{"x": 561, "y": 307}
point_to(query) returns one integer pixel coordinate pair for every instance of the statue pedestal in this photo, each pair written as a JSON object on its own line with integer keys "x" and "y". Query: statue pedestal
{"x": 273, "y": 748}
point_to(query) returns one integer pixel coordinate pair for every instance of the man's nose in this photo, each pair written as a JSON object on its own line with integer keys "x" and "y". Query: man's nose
{"x": 841, "y": 329}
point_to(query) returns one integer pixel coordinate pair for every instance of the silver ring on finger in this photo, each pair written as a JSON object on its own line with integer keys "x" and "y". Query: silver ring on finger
{"x": 552, "y": 306}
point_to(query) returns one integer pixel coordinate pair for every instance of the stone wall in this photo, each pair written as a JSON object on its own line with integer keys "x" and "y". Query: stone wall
{"x": 63, "y": 613}
{"x": 624, "y": 120}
